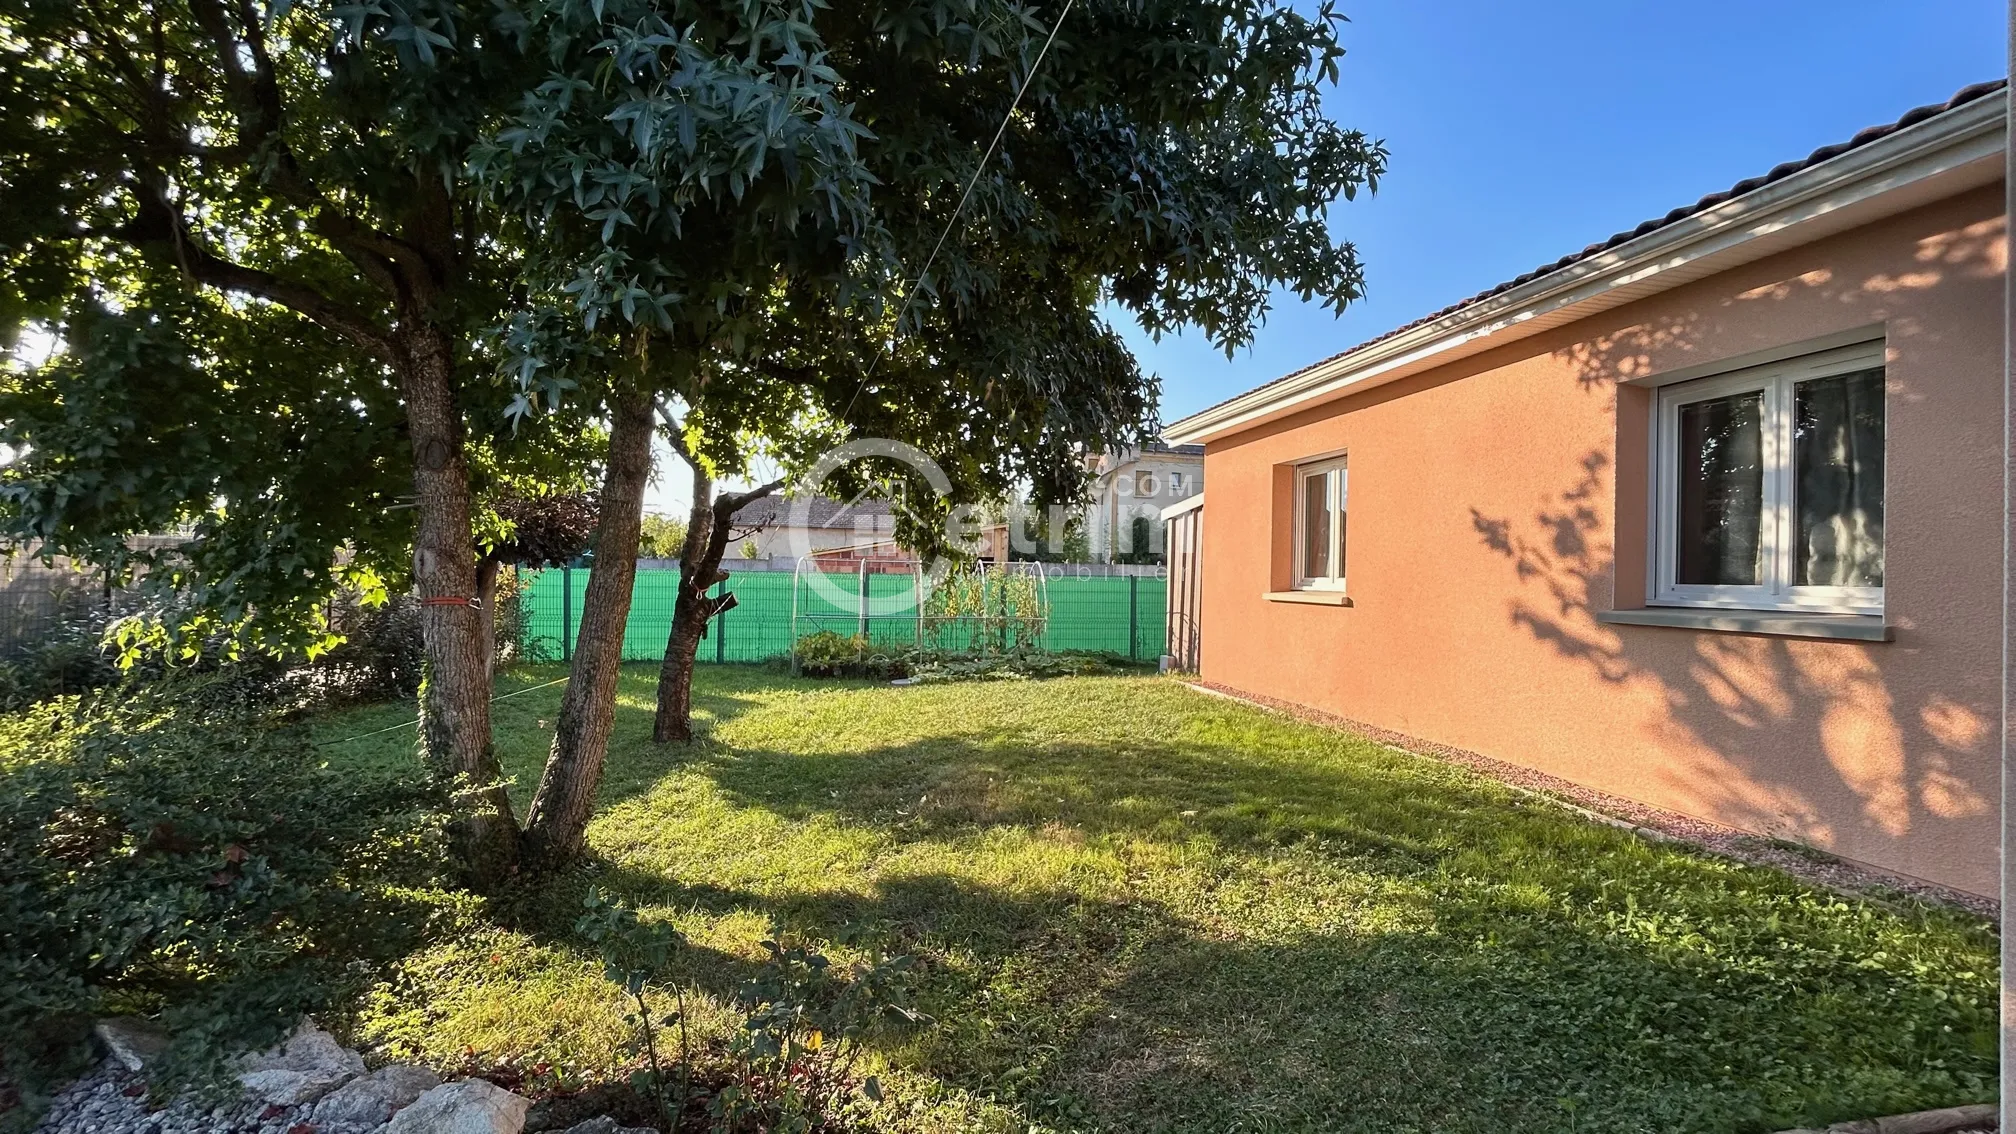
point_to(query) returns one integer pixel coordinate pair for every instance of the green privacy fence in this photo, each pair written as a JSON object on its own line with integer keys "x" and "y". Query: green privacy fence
{"x": 1118, "y": 615}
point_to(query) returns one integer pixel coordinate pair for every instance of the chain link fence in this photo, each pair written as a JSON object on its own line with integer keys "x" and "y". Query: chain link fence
{"x": 36, "y": 598}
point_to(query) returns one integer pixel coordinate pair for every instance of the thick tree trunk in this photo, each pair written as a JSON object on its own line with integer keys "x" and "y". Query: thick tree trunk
{"x": 707, "y": 532}
{"x": 455, "y": 696}
{"x": 555, "y": 831}
{"x": 486, "y": 596}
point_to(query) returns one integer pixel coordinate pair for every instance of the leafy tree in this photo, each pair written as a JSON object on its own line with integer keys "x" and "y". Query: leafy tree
{"x": 662, "y": 537}
{"x": 262, "y": 436}
{"x": 747, "y": 201}
{"x": 785, "y": 223}
{"x": 307, "y": 157}
{"x": 1141, "y": 541}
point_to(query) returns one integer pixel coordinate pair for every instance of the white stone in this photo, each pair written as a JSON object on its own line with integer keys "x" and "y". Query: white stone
{"x": 373, "y": 1099}
{"x": 132, "y": 1041}
{"x": 603, "y": 1124}
{"x": 471, "y": 1106}
{"x": 309, "y": 1065}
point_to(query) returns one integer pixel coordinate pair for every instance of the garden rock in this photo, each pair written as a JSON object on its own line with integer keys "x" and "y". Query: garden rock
{"x": 132, "y": 1041}
{"x": 1950, "y": 1120}
{"x": 603, "y": 1124}
{"x": 471, "y": 1106}
{"x": 309, "y": 1065}
{"x": 373, "y": 1099}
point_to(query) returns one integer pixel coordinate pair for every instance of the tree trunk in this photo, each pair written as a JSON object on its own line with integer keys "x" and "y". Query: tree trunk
{"x": 690, "y": 615}
{"x": 455, "y": 696}
{"x": 707, "y": 532}
{"x": 555, "y": 830}
{"x": 486, "y": 612}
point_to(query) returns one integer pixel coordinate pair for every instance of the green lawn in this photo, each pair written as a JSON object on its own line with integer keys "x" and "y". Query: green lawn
{"x": 1141, "y": 908}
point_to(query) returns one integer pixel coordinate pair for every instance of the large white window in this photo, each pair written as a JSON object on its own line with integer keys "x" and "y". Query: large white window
{"x": 1769, "y": 484}
{"x": 1320, "y": 494}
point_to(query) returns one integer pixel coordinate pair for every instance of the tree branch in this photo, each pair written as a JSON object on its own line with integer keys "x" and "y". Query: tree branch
{"x": 159, "y": 228}
{"x": 727, "y": 504}
{"x": 256, "y": 98}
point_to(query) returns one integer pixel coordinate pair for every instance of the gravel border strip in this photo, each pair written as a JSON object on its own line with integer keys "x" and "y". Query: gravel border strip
{"x": 1851, "y": 879}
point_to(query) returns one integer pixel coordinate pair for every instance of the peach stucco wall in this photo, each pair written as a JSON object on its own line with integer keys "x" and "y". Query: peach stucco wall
{"x": 1496, "y": 503}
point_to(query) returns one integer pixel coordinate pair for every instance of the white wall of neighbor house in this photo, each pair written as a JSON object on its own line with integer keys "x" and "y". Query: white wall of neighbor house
{"x": 1141, "y": 485}
{"x": 782, "y": 542}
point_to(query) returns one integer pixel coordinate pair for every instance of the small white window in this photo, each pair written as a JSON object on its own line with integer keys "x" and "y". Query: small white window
{"x": 1179, "y": 484}
{"x": 1320, "y": 494}
{"x": 1769, "y": 483}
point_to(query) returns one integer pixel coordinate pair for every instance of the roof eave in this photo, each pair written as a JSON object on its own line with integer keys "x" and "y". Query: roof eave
{"x": 1950, "y": 153}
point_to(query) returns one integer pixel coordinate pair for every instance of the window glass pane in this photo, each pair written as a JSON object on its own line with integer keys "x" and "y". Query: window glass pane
{"x": 1343, "y": 514}
{"x": 1316, "y": 526}
{"x": 1837, "y": 454}
{"x": 1721, "y": 451}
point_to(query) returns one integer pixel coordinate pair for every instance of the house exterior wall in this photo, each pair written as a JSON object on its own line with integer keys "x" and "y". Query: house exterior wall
{"x": 1497, "y": 503}
{"x": 1117, "y": 502}
{"x": 779, "y": 541}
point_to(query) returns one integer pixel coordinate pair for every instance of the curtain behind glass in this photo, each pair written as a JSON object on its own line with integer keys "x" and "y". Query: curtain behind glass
{"x": 1837, "y": 447}
{"x": 1721, "y": 453}
{"x": 1316, "y": 526}
{"x": 1343, "y": 477}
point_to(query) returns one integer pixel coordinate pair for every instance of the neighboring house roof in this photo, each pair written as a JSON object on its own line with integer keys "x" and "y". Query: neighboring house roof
{"x": 820, "y": 512}
{"x": 1157, "y": 447}
{"x": 1726, "y": 204}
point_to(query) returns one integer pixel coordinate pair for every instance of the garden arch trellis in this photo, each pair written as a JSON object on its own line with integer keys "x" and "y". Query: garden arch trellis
{"x": 987, "y": 607}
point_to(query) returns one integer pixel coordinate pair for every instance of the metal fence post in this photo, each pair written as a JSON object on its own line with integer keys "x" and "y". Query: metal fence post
{"x": 566, "y": 613}
{"x": 864, "y": 598}
{"x": 1133, "y": 618}
{"x": 721, "y": 626}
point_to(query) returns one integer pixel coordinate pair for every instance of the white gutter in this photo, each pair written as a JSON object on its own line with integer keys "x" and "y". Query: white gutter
{"x": 1956, "y": 150}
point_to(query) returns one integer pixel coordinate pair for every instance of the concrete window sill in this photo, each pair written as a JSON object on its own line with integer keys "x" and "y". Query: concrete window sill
{"x": 1772, "y": 623}
{"x": 1312, "y": 598}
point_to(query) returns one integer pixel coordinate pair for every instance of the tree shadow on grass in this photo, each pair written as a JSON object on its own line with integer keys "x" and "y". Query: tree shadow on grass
{"x": 1378, "y": 942}
{"x": 1486, "y": 1012}
{"x": 523, "y": 725}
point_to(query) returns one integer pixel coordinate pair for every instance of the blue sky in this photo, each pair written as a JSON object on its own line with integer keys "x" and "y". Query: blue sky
{"x": 1522, "y": 132}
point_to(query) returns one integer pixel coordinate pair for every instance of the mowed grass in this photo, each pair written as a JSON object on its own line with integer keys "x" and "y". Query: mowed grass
{"x": 1140, "y": 908}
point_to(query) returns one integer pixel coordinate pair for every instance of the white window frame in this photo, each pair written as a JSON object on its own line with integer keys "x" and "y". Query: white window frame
{"x": 1778, "y": 543}
{"x": 1340, "y": 468}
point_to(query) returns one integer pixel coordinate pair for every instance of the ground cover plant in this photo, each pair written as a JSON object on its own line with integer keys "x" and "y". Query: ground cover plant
{"x": 174, "y": 851}
{"x": 1133, "y": 907}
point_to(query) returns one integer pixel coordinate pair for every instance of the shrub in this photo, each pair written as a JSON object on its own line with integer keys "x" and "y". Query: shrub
{"x": 828, "y": 654}
{"x": 1015, "y": 665}
{"x": 380, "y": 658}
{"x": 71, "y": 658}
{"x": 382, "y": 655}
{"x": 166, "y": 853}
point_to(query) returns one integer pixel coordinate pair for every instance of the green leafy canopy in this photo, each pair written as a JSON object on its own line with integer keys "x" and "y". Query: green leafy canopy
{"x": 724, "y": 201}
